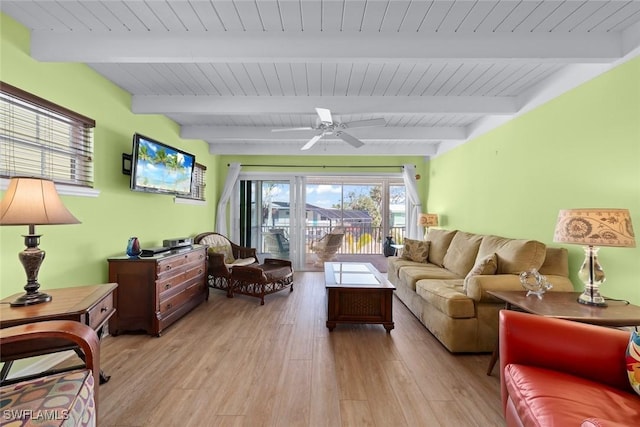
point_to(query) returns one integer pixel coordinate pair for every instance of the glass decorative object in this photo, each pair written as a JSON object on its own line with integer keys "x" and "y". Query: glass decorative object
{"x": 535, "y": 283}
{"x": 133, "y": 247}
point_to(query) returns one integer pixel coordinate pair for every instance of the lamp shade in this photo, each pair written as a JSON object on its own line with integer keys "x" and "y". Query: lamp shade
{"x": 595, "y": 227}
{"x": 427, "y": 220}
{"x": 33, "y": 201}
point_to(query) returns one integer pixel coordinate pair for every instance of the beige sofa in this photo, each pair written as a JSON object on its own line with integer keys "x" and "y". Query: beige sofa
{"x": 447, "y": 292}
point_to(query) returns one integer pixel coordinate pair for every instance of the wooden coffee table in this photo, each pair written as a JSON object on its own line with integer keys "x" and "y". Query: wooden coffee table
{"x": 357, "y": 293}
{"x": 564, "y": 305}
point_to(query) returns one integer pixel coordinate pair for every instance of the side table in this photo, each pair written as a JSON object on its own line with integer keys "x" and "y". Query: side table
{"x": 91, "y": 305}
{"x": 564, "y": 305}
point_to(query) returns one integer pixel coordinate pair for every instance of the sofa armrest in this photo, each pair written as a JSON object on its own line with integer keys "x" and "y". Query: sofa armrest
{"x": 592, "y": 352}
{"x": 477, "y": 286}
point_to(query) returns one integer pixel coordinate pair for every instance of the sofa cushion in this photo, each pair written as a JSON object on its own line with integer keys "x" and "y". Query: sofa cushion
{"x": 447, "y": 297}
{"x": 556, "y": 262}
{"x": 514, "y": 255}
{"x": 415, "y": 250}
{"x": 461, "y": 254}
{"x": 439, "y": 243}
{"x": 394, "y": 264}
{"x": 551, "y": 398}
{"x": 409, "y": 275}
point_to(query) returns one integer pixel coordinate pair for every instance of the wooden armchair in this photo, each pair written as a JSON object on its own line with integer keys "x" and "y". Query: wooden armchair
{"x": 326, "y": 247}
{"x": 222, "y": 256}
{"x": 66, "y": 396}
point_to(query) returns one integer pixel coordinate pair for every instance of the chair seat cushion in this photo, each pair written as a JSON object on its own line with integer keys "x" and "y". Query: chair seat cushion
{"x": 552, "y": 398}
{"x": 64, "y": 399}
{"x": 275, "y": 272}
{"x": 240, "y": 262}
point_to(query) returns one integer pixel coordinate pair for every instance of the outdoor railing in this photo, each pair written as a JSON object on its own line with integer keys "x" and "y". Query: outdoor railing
{"x": 358, "y": 240}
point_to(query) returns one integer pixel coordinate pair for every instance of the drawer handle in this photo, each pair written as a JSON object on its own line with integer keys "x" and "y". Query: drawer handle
{"x": 169, "y": 306}
{"x": 168, "y": 267}
{"x": 200, "y": 271}
{"x": 103, "y": 309}
{"x": 167, "y": 286}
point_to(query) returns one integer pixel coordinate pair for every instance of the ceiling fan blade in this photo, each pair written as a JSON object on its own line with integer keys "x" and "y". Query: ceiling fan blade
{"x": 311, "y": 142}
{"x": 365, "y": 123}
{"x": 291, "y": 129}
{"x": 325, "y": 115}
{"x": 351, "y": 140}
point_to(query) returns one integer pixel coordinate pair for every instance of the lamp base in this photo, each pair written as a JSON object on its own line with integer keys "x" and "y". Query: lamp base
{"x": 592, "y": 296}
{"x": 31, "y": 299}
{"x": 592, "y": 274}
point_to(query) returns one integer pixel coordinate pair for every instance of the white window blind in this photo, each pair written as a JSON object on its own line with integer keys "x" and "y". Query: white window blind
{"x": 41, "y": 139}
{"x": 198, "y": 182}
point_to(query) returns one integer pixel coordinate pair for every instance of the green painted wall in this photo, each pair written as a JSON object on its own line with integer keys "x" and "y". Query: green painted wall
{"x": 76, "y": 254}
{"x": 580, "y": 150}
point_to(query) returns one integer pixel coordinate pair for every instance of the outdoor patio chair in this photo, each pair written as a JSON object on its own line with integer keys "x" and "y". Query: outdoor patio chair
{"x": 276, "y": 243}
{"x": 326, "y": 247}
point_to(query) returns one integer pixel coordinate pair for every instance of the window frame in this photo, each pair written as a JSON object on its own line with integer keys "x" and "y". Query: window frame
{"x": 76, "y": 121}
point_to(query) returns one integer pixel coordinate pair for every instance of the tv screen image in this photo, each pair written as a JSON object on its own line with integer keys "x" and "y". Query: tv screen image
{"x": 160, "y": 168}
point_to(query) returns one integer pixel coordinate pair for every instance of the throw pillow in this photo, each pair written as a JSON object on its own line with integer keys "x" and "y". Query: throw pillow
{"x": 225, "y": 250}
{"x": 415, "y": 250}
{"x": 487, "y": 265}
{"x": 633, "y": 361}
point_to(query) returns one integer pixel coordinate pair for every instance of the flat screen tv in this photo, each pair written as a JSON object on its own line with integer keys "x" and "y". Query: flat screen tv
{"x": 160, "y": 168}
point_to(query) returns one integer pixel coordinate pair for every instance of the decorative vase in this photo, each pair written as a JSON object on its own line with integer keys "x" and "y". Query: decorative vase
{"x": 133, "y": 247}
{"x": 387, "y": 249}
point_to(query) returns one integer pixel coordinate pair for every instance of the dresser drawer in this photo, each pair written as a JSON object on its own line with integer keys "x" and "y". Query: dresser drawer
{"x": 169, "y": 265}
{"x": 100, "y": 312}
{"x": 168, "y": 287}
{"x": 176, "y": 301}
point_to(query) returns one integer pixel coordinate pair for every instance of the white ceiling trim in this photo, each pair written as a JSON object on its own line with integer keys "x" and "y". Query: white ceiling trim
{"x": 196, "y": 104}
{"x": 327, "y": 146}
{"x": 383, "y": 134}
{"x": 242, "y": 47}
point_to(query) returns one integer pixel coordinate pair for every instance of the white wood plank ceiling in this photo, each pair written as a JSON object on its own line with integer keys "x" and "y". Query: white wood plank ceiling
{"x": 438, "y": 72}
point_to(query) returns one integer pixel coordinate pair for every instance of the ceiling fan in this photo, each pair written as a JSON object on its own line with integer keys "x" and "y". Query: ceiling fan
{"x": 326, "y": 126}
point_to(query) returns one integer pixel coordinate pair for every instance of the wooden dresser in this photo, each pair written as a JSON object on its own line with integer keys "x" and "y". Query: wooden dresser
{"x": 154, "y": 292}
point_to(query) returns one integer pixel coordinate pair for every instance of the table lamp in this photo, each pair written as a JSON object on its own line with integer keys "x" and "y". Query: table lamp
{"x": 593, "y": 228}
{"x": 427, "y": 220}
{"x": 32, "y": 201}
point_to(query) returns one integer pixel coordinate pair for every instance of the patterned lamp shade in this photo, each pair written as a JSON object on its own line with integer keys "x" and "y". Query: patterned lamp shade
{"x": 595, "y": 227}
{"x": 427, "y": 220}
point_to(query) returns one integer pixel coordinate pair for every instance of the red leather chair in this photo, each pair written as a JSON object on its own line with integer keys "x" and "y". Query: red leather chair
{"x": 561, "y": 373}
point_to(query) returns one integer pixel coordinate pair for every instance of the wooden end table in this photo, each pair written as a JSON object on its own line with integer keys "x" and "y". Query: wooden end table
{"x": 91, "y": 305}
{"x": 564, "y": 305}
{"x": 357, "y": 293}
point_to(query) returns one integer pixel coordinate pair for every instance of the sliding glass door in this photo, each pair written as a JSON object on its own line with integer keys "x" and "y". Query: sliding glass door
{"x": 282, "y": 215}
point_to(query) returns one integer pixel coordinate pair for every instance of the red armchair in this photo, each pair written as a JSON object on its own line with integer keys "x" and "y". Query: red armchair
{"x": 561, "y": 373}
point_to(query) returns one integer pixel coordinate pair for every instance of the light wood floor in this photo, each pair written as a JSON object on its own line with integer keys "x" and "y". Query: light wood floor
{"x": 232, "y": 362}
